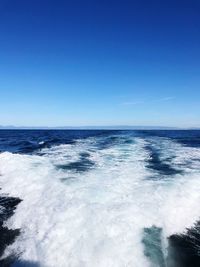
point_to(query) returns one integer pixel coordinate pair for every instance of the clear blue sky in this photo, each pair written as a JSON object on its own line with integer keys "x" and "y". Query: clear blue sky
{"x": 99, "y": 62}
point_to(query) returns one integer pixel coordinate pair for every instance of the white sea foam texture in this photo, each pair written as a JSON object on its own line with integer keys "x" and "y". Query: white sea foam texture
{"x": 96, "y": 218}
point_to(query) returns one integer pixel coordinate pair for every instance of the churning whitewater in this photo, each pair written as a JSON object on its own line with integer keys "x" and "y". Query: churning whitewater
{"x": 99, "y": 198}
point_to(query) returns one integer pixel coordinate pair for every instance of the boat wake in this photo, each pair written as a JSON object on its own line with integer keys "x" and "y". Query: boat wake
{"x": 117, "y": 199}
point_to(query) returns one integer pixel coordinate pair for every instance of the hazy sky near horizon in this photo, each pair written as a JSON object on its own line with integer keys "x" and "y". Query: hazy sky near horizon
{"x": 99, "y": 62}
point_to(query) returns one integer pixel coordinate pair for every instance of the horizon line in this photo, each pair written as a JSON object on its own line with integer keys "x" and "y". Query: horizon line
{"x": 99, "y": 127}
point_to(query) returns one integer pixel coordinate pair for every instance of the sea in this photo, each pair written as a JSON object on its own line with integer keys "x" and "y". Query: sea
{"x": 100, "y": 198}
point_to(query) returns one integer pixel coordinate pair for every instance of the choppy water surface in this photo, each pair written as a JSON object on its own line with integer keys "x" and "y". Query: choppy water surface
{"x": 99, "y": 198}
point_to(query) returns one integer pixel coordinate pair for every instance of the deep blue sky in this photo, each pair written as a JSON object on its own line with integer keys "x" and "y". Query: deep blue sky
{"x": 99, "y": 62}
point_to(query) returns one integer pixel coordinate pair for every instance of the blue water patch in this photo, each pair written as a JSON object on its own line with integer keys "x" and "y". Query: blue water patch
{"x": 22, "y": 263}
{"x": 156, "y": 163}
{"x": 152, "y": 240}
{"x": 116, "y": 138}
{"x": 84, "y": 163}
{"x": 31, "y": 141}
{"x": 189, "y": 138}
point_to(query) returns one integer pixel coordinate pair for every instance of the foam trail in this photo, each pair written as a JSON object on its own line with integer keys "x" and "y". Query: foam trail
{"x": 95, "y": 218}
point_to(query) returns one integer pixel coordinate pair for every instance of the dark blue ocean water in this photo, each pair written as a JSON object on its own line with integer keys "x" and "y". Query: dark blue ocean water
{"x": 170, "y": 154}
{"x": 28, "y": 141}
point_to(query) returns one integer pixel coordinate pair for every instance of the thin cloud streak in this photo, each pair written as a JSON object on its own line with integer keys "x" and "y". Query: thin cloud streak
{"x": 166, "y": 98}
{"x": 132, "y": 103}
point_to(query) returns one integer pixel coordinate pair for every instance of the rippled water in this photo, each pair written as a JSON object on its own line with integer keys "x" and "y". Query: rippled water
{"x": 99, "y": 198}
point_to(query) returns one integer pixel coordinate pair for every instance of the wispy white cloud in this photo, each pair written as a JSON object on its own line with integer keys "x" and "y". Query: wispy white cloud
{"x": 166, "y": 98}
{"x": 133, "y": 103}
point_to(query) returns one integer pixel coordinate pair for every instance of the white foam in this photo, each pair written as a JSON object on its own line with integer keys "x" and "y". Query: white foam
{"x": 97, "y": 218}
{"x": 41, "y": 143}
